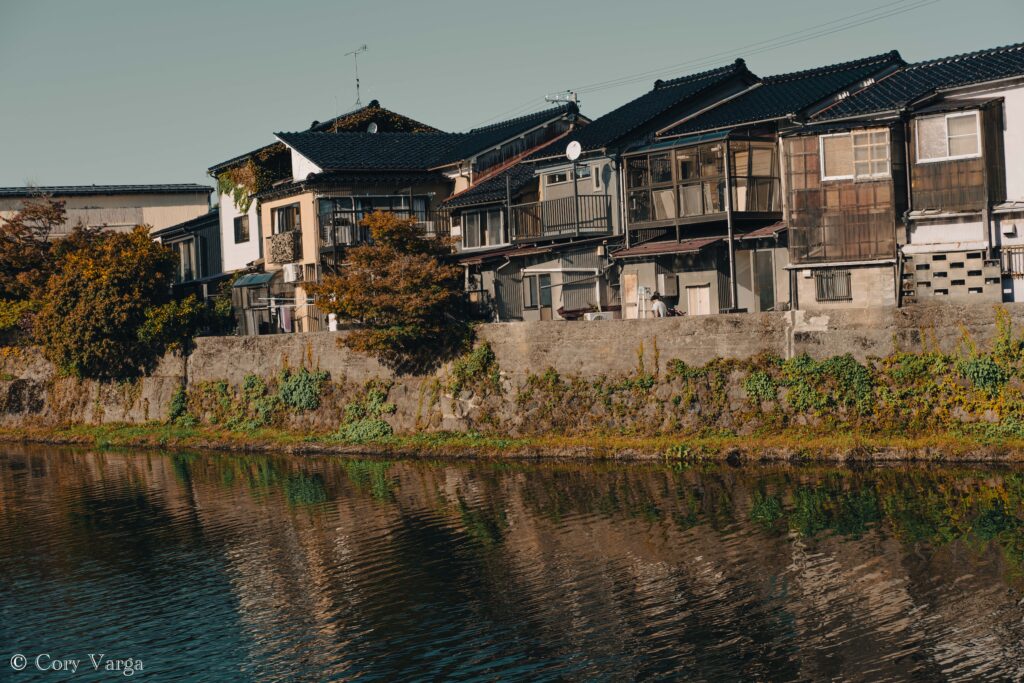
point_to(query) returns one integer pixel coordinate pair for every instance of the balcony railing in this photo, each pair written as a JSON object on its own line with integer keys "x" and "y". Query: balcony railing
{"x": 346, "y": 229}
{"x": 558, "y": 218}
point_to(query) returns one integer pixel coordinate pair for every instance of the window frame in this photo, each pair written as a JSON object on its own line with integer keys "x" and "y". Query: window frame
{"x": 976, "y": 113}
{"x": 243, "y": 219}
{"x": 483, "y": 227}
{"x": 277, "y": 211}
{"x": 548, "y": 178}
{"x": 853, "y": 160}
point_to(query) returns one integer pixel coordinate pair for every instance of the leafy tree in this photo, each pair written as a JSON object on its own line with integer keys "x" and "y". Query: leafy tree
{"x": 107, "y": 311}
{"x": 25, "y": 247}
{"x": 407, "y": 297}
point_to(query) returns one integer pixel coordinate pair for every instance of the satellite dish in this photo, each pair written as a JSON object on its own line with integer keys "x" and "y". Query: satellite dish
{"x": 372, "y": 128}
{"x": 573, "y": 150}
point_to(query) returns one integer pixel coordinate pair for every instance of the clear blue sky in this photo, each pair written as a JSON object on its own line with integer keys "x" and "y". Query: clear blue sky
{"x": 112, "y": 91}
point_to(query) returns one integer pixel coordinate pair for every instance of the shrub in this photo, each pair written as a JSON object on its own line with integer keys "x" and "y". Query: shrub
{"x": 178, "y": 408}
{"x": 300, "y": 389}
{"x": 984, "y": 373}
{"x": 364, "y": 417}
{"x": 477, "y": 368}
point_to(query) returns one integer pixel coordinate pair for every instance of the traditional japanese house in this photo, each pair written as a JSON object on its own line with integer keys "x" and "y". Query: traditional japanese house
{"x": 704, "y": 201}
{"x": 336, "y": 178}
{"x": 240, "y": 178}
{"x": 952, "y": 132}
{"x": 196, "y": 243}
{"x": 564, "y": 216}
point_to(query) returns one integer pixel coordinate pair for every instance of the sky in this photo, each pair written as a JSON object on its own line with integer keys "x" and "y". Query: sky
{"x": 119, "y": 92}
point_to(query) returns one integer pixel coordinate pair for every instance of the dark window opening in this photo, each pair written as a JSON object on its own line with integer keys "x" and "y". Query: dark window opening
{"x": 832, "y": 285}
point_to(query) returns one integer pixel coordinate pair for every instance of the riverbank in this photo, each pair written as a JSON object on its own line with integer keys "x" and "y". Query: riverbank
{"x": 783, "y": 446}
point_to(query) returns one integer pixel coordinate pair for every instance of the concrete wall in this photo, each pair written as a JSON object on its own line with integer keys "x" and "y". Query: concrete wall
{"x": 32, "y": 395}
{"x": 870, "y": 285}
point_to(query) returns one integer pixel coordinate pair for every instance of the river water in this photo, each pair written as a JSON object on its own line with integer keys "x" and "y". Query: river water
{"x": 220, "y": 568}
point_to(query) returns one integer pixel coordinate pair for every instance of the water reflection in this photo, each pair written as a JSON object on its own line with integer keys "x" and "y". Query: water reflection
{"x": 210, "y": 567}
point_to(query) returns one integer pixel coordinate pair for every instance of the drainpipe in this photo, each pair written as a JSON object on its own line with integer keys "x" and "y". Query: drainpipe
{"x": 733, "y": 289}
{"x": 620, "y": 191}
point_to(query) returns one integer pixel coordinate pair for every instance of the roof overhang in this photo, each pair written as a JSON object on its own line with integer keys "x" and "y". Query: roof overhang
{"x": 666, "y": 247}
{"x": 933, "y": 247}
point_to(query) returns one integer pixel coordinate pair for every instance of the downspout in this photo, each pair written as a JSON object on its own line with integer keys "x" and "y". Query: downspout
{"x": 733, "y": 289}
{"x": 620, "y": 191}
{"x": 910, "y": 204}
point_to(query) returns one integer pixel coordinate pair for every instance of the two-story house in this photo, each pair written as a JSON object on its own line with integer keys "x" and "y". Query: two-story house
{"x": 929, "y": 160}
{"x": 704, "y": 199}
{"x": 240, "y": 178}
{"x": 565, "y": 215}
{"x": 337, "y": 178}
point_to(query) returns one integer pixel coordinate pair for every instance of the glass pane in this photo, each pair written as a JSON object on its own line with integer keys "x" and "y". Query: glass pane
{"x": 961, "y": 125}
{"x": 763, "y": 161}
{"x": 880, "y": 137}
{"x": 879, "y": 168}
{"x": 861, "y": 153}
{"x": 661, "y": 168}
{"x": 664, "y": 204}
{"x": 639, "y": 206}
{"x": 494, "y": 235}
{"x": 544, "y": 281}
{"x": 687, "y": 162}
{"x": 862, "y": 168}
{"x": 636, "y": 172}
{"x": 689, "y": 200}
{"x": 860, "y": 139}
{"x": 713, "y": 196}
{"x": 931, "y": 137}
{"x": 961, "y": 146}
{"x": 740, "y": 160}
{"x": 711, "y": 163}
{"x": 739, "y": 195}
{"x": 838, "y": 156}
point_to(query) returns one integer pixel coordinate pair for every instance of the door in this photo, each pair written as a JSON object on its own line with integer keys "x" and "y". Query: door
{"x": 764, "y": 270}
{"x": 698, "y": 300}
{"x": 630, "y": 283}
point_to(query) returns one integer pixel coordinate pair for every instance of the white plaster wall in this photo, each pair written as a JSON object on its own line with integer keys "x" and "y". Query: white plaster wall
{"x": 237, "y": 256}
{"x": 1013, "y": 142}
{"x": 302, "y": 167}
{"x": 945, "y": 232}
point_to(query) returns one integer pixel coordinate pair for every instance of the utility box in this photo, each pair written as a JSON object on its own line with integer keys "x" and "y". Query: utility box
{"x": 668, "y": 284}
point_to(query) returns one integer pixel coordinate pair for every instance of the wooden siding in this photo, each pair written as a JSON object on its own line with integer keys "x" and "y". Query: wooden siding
{"x": 840, "y": 220}
{"x": 961, "y": 184}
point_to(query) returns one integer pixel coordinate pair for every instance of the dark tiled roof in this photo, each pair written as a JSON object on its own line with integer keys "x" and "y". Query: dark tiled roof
{"x": 494, "y": 189}
{"x": 84, "y": 190}
{"x": 923, "y": 78}
{"x": 486, "y": 137}
{"x": 788, "y": 94}
{"x": 373, "y": 151}
{"x": 207, "y": 219}
{"x": 619, "y": 123}
{"x": 667, "y": 247}
{"x": 350, "y": 122}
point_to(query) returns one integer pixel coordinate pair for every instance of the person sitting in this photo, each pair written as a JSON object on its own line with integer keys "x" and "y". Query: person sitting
{"x": 658, "y": 306}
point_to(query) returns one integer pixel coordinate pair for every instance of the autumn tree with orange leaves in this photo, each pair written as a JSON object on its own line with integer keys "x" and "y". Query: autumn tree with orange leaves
{"x": 406, "y": 297}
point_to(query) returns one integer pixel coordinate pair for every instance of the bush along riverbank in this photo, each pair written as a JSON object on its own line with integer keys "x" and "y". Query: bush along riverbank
{"x": 968, "y": 404}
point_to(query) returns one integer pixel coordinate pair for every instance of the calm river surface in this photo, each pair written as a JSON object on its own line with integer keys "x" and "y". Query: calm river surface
{"x": 222, "y": 568}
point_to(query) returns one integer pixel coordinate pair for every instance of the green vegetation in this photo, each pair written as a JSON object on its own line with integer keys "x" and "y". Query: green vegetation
{"x": 364, "y": 418}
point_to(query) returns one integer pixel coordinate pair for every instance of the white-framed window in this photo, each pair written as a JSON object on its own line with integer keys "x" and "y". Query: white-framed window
{"x": 855, "y": 155}
{"x": 946, "y": 137}
{"x": 483, "y": 229}
{"x": 556, "y": 178}
{"x": 582, "y": 171}
{"x": 596, "y": 175}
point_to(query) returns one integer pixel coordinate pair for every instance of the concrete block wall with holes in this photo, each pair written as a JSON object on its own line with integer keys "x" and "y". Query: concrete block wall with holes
{"x": 960, "y": 275}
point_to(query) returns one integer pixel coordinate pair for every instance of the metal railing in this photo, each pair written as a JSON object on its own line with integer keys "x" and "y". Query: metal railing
{"x": 832, "y": 284}
{"x": 1012, "y": 259}
{"x": 346, "y": 229}
{"x": 554, "y": 218}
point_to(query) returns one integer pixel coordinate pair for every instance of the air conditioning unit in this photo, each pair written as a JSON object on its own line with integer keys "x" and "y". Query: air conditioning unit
{"x": 603, "y": 315}
{"x": 293, "y": 272}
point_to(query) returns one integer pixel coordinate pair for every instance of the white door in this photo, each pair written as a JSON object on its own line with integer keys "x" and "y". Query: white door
{"x": 698, "y": 300}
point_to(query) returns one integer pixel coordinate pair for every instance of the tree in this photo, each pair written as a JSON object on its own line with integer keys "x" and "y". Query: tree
{"x": 408, "y": 299}
{"x": 107, "y": 311}
{"x": 25, "y": 246}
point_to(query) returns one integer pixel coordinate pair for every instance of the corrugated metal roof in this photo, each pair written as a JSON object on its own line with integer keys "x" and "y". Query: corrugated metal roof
{"x": 667, "y": 247}
{"x": 254, "y": 279}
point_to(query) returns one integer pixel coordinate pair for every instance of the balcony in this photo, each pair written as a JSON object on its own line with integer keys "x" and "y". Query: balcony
{"x": 286, "y": 247}
{"x": 556, "y": 218}
{"x": 347, "y": 229}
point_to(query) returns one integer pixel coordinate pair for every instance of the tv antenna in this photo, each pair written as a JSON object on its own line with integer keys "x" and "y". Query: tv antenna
{"x": 355, "y": 59}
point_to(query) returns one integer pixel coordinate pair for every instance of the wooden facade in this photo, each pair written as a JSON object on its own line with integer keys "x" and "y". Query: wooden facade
{"x": 847, "y": 219}
{"x": 968, "y": 185}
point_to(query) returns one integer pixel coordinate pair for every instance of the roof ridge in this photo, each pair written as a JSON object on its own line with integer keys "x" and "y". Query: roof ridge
{"x": 506, "y": 122}
{"x": 359, "y": 133}
{"x": 832, "y": 68}
{"x": 736, "y": 65}
{"x": 964, "y": 55}
{"x": 509, "y": 165}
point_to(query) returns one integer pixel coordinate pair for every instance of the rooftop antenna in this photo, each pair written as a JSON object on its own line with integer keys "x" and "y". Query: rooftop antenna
{"x": 355, "y": 59}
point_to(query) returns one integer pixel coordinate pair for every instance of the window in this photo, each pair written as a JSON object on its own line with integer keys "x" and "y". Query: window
{"x": 556, "y": 178}
{"x": 185, "y": 251}
{"x": 241, "y": 229}
{"x": 948, "y": 136}
{"x": 537, "y": 291}
{"x": 582, "y": 171}
{"x": 859, "y": 155}
{"x": 483, "y": 229}
{"x": 832, "y": 284}
{"x": 596, "y": 175}
{"x": 341, "y": 217}
{"x": 286, "y": 218}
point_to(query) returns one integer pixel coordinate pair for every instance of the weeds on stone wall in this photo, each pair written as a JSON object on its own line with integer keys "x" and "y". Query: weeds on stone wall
{"x": 475, "y": 371}
{"x": 364, "y": 418}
